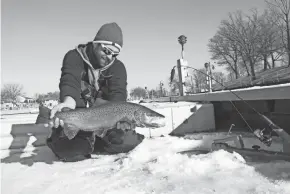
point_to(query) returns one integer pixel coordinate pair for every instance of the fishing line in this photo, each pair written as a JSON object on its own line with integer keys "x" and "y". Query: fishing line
{"x": 171, "y": 78}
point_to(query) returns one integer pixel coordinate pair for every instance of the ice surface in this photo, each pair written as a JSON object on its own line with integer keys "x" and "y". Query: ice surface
{"x": 155, "y": 166}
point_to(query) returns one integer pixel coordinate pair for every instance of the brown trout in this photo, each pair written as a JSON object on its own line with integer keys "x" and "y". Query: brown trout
{"x": 101, "y": 118}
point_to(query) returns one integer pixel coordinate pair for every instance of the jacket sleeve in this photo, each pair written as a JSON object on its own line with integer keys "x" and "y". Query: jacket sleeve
{"x": 70, "y": 81}
{"x": 117, "y": 85}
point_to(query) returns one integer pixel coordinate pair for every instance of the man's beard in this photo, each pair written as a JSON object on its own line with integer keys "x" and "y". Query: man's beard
{"x": 104, "y": 61}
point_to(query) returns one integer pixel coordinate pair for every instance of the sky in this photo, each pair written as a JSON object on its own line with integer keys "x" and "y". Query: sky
{"x": 35, "y": 36}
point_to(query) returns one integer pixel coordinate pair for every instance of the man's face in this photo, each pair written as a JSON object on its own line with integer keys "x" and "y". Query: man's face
{"x": 104, "y": 53}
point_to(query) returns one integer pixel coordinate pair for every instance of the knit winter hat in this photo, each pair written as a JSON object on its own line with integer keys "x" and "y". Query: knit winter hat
{"x": 110, "y": 33}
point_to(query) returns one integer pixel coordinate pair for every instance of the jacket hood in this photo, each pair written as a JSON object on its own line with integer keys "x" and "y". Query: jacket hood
{"x": 82, "y": 50}
{"x": 94, "y": 74}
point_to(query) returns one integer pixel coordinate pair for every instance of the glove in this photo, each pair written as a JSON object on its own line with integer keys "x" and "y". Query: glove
{"x": 126, "y": 125}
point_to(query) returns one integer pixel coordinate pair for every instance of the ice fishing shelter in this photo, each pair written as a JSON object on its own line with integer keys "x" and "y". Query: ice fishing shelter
{"x": 217, "y": 108}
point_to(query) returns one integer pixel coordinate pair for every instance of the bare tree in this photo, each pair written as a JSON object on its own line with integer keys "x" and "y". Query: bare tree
{"x": 219, "y": 77}
{"x": 138, "y": 92}
{"x": 224, "y": 50}
{"x": 153, "y": 93}
{"x": 9, "y": 92}
{"x": 174, "y": 84}
{"x": 48, "y": 96}
{"x": 244, "y": 64}
{"x": 280, "y": 10}
{"x": 245, "y": 32}
{"x": 270, "y": 44}
{"x": 199, "y": 79}
{"x": 277, "y": 48}
{"x": 237, "y": 44}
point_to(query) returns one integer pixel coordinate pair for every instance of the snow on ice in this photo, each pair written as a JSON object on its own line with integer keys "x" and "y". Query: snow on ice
{"x": 155, "y": 166}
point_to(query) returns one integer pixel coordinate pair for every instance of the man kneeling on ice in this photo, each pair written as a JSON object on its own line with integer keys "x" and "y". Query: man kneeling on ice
{"x": 91, "y": 75}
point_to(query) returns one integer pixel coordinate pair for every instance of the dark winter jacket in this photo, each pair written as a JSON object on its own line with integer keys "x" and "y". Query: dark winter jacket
{"x": 80, "y": 80}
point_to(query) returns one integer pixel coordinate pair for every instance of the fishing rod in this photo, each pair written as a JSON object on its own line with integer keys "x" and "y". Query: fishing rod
{"x": 263, "y": 135}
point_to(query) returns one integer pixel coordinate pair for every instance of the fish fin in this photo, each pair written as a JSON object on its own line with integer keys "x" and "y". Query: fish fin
{"x": 137, "y": 118}
{"x": 70, "y": 131}
{"x": 101, "y": 133}
{"x": 98, "y": 133}
{"x": 126, "y": 119}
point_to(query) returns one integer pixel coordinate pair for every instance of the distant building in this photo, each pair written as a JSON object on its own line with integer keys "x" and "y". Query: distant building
{"x": 24, "y": 99}
{"x": 7, "y": 106}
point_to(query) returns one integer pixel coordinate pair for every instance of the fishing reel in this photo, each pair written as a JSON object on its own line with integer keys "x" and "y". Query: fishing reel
{"x": 264, "y": 135}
